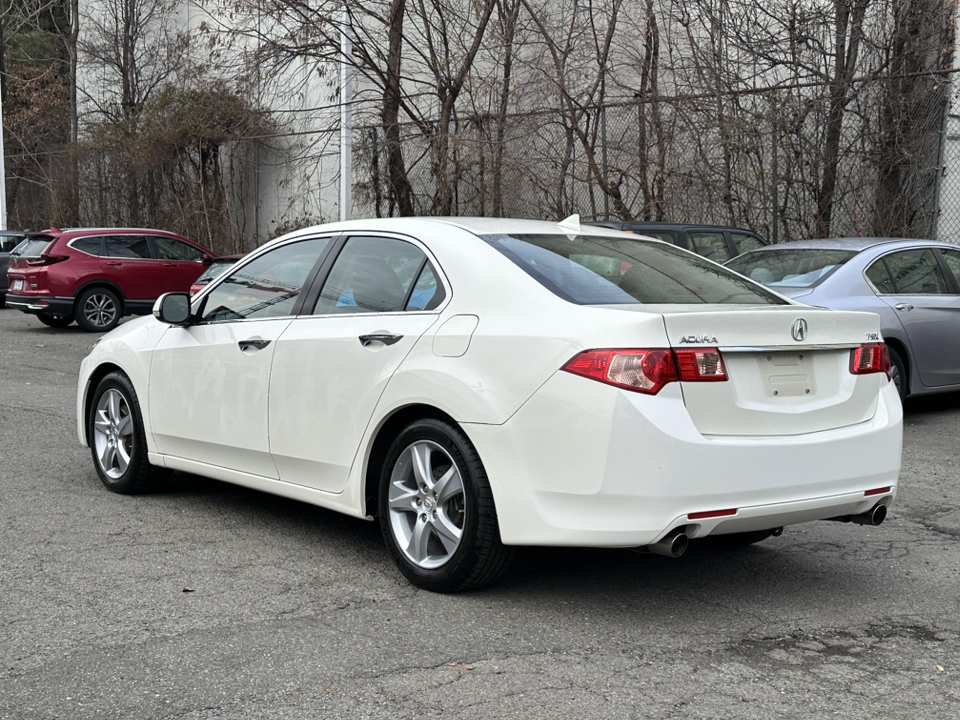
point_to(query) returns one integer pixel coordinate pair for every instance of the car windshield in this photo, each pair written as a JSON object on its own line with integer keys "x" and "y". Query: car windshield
{"x": 596, "y": 270}
{"x": 790, "y": 268}
{"x": 216, "y": 269}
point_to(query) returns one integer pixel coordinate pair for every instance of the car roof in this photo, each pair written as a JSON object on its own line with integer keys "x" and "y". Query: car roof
{"x": 857, "y": 244}
{"x": 660, "y": 225}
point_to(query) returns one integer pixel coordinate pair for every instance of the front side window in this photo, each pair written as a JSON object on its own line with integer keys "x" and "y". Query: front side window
{"x": 712, "y": 246}
{"x": 916, "y": 272}
{"x": 952, "y": 258}
{"x": 786, "y": 268}
{"x": 126, "y": 246}
{"x": 746, "y": 243}
{"x": 590, "y": 270}
{"x": 169, "y": 248}
{"x": 265, "y": 287}
{"x": 371, "y": 274}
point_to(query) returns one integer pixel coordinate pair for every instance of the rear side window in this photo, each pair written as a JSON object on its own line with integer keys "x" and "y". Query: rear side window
{"x": 746, "y": 243}
{"x": 952, "y": 258}
{"x": 371, "y": 274}
{"x": 609, "y": 271}
{"x": 712, "y": 246}
{"x": 126, "y": 246}
{"x": 790, "y": 268}
{"x": 428, "y": 292}
{"x": 88, "y": 245}
{"x": 916, "y": 272}
{"x": 878, "y": 275}
{"x": 34, "y": 246}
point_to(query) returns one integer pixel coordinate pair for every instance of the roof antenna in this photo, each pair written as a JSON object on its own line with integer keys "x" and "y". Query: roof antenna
{"x": 570, "y": 225}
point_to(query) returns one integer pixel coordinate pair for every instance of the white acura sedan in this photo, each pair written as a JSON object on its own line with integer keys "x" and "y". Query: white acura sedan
{"x": 479, "y": 384}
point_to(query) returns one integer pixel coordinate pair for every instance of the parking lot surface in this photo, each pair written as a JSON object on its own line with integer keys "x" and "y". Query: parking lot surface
{"x": 208, "y": 600}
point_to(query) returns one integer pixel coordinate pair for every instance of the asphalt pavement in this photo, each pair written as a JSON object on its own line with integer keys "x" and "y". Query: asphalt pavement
{"x": 207, "y": 600}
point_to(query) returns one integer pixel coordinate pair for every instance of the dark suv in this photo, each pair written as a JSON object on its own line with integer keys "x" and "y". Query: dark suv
{"x": 9, "y": 239}
{"x": 714, "y": 242}
{"x": 96, "y": 276}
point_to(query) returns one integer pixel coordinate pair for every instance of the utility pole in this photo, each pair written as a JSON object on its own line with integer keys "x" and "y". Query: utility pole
{"x": 346, "y": 119}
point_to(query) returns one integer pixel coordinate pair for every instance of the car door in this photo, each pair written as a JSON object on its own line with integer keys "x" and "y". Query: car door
{"x": 182, "y": 263}
{"x": 928, "y": 307}
{"x": 127, "y": 262}
{"x": 334, "y": 361}
{"x": 209, "y": 380}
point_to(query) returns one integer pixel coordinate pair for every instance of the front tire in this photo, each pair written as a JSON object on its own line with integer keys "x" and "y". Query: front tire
{"x": 437, "y": 512}
{"x": 117, "y": 440}
{"x": 98, "y": 310}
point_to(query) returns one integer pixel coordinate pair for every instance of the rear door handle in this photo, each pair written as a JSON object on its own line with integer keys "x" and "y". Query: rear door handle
{"x": 254, "y": 343}
{"x": 903, "y": 307}
{"x": 113, "y": 263}
{"x": 385, "y": 338}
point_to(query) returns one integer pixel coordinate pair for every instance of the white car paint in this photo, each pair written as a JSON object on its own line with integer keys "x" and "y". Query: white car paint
{"x": 570, "y": 461}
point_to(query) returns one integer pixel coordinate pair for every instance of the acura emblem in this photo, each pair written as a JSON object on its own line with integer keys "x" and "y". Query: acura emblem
{"x": 799, "y": 330}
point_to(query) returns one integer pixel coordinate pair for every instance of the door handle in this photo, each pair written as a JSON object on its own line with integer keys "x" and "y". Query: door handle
{"x": 254, "y": 343}
{"x": 167, "y": 265}
{"x": 113, "y": 263}
{"x": 903, "y": 307}
{"x": 385, "y": 338}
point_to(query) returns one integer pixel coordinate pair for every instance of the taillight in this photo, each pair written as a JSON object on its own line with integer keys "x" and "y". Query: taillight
{"x": 645, "y": 371}
{"x": 870, "y": 358}
{"x": 700, "y": 365}
{"x": 47, "y": 260}
{"x": 649, "y": 370}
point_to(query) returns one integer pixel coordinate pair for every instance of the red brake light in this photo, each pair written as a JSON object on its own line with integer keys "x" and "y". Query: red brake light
{"x": 649, "y": 370}
{"x": 645, "y": 371}
{"x": 700, "y": 365}
{"x": 870, "y": 358}
{"x": 47, "y": 260}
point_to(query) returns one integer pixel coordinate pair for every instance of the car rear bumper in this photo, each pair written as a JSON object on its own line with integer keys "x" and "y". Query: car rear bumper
{"x": 586, "y": 464}
{"x": 37, "y": 304}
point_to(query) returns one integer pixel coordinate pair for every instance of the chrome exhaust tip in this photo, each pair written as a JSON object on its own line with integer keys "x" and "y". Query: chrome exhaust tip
{"x": 874, "y": 516}
{"x": 674, "y": 544}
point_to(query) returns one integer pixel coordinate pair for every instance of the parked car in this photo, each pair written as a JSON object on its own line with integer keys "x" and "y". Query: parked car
{"x": 9, "y": 239}
{"x": 216, "y": 268}
{"x": 913, "y": 285}
{"x": 97, "y": 275}
{"x": 529, "y": 383}
{"x": 714, "y": 242}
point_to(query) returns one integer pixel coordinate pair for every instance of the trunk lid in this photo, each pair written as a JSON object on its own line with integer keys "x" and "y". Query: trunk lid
{"x": 788, "y": 368}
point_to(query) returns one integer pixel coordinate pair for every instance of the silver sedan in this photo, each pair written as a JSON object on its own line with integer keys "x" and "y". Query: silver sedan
{"x": 913, "y": 285}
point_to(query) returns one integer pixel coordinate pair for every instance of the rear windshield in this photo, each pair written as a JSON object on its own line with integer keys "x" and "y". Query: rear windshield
{"x": 592, "y": 270}
{"x": 790, "y": 268}
{"x": 32, "y": 247}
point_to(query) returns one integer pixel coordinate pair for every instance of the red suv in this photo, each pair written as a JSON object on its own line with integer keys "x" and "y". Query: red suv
{"x": 96, "y": 276}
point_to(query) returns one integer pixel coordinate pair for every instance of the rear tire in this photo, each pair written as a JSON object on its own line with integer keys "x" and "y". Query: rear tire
{"x": 437, "y": 512}
{"x": 98, "y": 310}
{"x": 898, "y": 373}
{"x": 117, "y": 440}
{"x": 55, "y": 321}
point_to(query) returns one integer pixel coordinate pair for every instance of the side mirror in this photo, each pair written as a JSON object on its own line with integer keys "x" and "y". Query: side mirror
{"x": 173, "y": 309}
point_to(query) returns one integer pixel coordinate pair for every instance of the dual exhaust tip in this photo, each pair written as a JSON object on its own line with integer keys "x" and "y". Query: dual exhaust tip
{"x": 675, "y": 543}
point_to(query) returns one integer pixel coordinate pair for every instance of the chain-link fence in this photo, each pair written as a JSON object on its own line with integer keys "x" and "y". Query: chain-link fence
{"x": 779, "y": 162}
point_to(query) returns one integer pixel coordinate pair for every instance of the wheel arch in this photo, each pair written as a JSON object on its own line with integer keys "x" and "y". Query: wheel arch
{"x": 92, "y": 383}
{"x": 105, "y": 284}
{"x": 898, "y": 345}
{"x": 389, "y": 428}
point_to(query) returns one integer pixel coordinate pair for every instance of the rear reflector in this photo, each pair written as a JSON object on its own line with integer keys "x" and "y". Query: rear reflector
{"x": 648, "y": 370}
{"x": 700, "y": 365}
{"x": 870, "y": 358}
{"x": 877, "y": 491}
{"x": 711, "y": 514}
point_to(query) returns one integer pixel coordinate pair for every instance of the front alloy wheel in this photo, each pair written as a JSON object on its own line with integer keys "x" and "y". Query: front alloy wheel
{"x": 436, "y": 509}
{"x": 113, "y": 434}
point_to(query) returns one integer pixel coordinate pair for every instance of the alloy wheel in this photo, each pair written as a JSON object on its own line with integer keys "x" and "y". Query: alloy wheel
{"x": 100, "y": 310}
{"x": 113, "y": 434}
{"x": 426, "y": 503}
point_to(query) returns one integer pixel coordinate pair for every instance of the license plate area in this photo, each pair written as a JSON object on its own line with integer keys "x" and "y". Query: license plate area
{"x": 17, "y": 285}
{"x": 788, "y": 374}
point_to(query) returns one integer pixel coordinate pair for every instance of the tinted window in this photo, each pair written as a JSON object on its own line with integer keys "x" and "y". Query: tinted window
{"x": 746, "y": 243}
{"x": 916, "y": 272}
{"x": 952, "y": 258}
{"x": 9, "y": 242}
{"x": 126, "y": 246}
{"x": 712, "y": 246}
{"x": 604, "y": 271}
{"x": 265, "y": 287}
{"x": 427, "y": 293}
{"x": 172, "y": 249}
{"x": 89, "y": 245}
{"x": 34, "y": 246}
{"x": 790, "y": 268}
{"x": 370, "y": 275}
{"x": 880, "y": 277}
